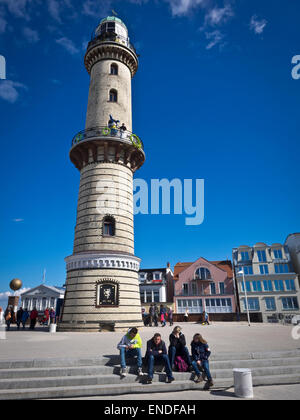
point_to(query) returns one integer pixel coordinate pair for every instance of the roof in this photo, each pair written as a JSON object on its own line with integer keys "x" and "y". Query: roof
{"x": 112, "y": 18}
{"x": 223, "y": 265}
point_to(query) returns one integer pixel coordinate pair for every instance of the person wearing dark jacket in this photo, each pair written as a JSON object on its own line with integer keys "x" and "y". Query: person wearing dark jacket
{"x": 200, "y": 355}
{"x": 8, "y": 316}
{"x": 157, "y": 351}
{"x": 178, "y": 347}
{"x": 19, "y": 317}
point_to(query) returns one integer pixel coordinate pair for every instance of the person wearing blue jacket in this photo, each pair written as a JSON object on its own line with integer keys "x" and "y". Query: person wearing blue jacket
{"x": 157, "y": 351}
{"x": 25, "y": 316}
{"x": 200, "y": 355}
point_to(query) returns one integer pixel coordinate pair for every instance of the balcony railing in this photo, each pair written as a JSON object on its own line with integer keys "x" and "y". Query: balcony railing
{"x": 111, "y": 37}
{"x": 108, "y": 132}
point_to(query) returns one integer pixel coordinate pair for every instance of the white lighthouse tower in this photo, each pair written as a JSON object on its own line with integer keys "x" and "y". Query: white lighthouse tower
{"x": 102, "y": 289}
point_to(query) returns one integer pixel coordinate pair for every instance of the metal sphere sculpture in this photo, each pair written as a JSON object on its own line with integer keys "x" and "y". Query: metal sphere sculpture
{"x": 15, "y": 284}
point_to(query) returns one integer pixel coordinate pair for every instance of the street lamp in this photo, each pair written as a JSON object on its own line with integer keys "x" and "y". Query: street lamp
{"x": 246, "y": 298}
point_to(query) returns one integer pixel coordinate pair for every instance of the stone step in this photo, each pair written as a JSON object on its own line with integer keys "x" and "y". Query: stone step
{"x": 113, "y": 378}
{"x": 133, "y": 388}
{"x": 231, "y": 364}
{"x": 115, "y": 360}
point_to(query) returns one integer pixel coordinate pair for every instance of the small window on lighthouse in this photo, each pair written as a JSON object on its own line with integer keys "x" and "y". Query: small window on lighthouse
{"x": 108, "y": 226}
{"x": 114, "y": 69}
{"x": 113, "y": 95}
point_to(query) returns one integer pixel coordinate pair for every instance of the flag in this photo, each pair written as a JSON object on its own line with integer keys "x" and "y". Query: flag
{"x": 114, "y": 12}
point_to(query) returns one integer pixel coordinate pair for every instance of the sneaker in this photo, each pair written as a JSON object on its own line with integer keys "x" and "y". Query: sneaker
{"x": 198, "y": 379}
{"x": 149, "y": 381}
{"x": 123, "y": 372}
{"x": 210, "y": 383}
{"x": 170, "y": 380}
{"x": 140, "y": 372}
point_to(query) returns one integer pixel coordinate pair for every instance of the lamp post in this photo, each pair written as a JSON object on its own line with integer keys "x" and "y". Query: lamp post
{"x": 246, "y": 297}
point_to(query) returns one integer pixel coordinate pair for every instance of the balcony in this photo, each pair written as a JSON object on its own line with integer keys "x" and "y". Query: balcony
{"x": 107, "y": 133}
{"x": 110, "y": 37}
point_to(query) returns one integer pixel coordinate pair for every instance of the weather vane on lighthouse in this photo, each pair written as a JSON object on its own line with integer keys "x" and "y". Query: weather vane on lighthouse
{"x": 102, "y": 289}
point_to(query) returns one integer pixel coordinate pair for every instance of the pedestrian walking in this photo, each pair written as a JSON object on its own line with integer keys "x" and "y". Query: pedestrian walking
{"x": 205, "y": 318}
{"x": 200, "y": 355}
{"x": 52, "y": 315}
{"x": 170, "y": 316}
{"x": 162, "y": 320}
{"x": 157, "y": 352}
{"x": 186, "y": 315}
{"x": 131, "y": 346}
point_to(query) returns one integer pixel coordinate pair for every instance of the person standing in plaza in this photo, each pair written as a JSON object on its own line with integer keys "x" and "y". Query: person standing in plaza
{"x": 131, "y": 346}
{"x": 52, "y": 316}
{"x": 170, "y": 316}
{"x": 200, "y": 355}
{"x": 33, "y": 318}
{"x": 8, "y": 316}
{"x": 157, "y": 352}
{"x": 151, "y": 314}
{"x": 19, "y": 317}
{"x": 25, "y": 316}
{"x": 155, "y": 317}
{"x": 186, "y": 315}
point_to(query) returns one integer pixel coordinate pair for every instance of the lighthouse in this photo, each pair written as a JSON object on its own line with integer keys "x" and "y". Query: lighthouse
{"x": 102, "y": 288}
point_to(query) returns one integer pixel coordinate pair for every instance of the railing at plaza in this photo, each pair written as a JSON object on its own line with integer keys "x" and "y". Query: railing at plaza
{"x": 118, "y": 134}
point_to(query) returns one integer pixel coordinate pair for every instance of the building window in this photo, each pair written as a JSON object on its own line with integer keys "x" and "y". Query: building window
{"x": 156, "y": 296}
{"x": 245, "y": 256}
{"x": 262, "y": 257}
{"x": 113, "y": 95}
{"x": 270, "y": 304}
{"x": 281, "y": 268}
{"x": 109, "y": 226}
{"x": 248, "y": 270}
{"x": 212, "y": 289}
{"x": 290, "y": 303}
{"x": 156, "y": 276}
{"x": 268, "y": 286}
{"x": 253, "y": 304}
{"x": 278, "y": 254}
{"x": 264, "y": 269}
{"x": 290, "y": 284}
{"x": 194, "y": 289}
{"x": 202, "y": 273}
{"x": 256, "y": 286}
{"x": 149, "y": 296}
{"x": 218, "y": 305}
{"x": 278, "y": 285}
{"x": 114, "y": 69}
{"x": 185, "y": 289}
{"x": 222, "y": 288}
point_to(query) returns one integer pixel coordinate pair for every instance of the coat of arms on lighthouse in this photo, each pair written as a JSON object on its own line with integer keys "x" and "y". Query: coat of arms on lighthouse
{"x": 107, "y": 292}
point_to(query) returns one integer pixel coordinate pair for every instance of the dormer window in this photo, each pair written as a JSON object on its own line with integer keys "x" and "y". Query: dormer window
{"x": 202, "y": 273}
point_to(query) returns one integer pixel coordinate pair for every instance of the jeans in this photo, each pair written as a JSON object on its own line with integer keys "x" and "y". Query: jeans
{"x": 184, "y": 352}
{"x": 205, "y": 365}
{"x": 162, "y": 358}
{"x": 130, "y": 353}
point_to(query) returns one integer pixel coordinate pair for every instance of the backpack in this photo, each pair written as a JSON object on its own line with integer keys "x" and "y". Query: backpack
{"x": 180, "y": 364}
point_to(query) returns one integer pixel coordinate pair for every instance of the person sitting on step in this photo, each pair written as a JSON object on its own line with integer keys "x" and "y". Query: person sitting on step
{"x": 200, "y": 355}
{"x": 157, "y": 352}
{"x": 131, "y": 346}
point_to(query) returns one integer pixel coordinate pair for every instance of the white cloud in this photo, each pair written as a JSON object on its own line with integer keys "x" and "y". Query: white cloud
{"x": 54, "y": 9}
{"x": 18, "y": 7}
{"x": 68, "y": 44}
{"x": 183, "y": 7}
{"x": 18, "y": 220}
{"x": 96, "y": 8}
{"x": 214, "y": 38}
{"x": 257, "y": 25}
{"x": 3, "y": 25}
{"x": 31, "y": 35}
{"x": 4, "y": 296}
{"x": 217, "y": 16}
{"x": 9, "y": 90}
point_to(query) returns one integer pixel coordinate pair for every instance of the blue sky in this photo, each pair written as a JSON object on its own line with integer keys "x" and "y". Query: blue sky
{"x": 213, "y": 99}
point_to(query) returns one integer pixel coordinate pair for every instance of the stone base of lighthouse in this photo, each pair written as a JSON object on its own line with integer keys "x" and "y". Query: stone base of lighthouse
{"x": 88, "y": 306}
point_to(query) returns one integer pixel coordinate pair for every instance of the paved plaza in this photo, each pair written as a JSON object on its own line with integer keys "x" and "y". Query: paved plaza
{"x": 222, "y": 338}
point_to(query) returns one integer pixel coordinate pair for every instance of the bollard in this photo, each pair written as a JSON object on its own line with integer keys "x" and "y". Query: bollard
{"x": 243, "y": 383}
{"x": 52, "y": 328}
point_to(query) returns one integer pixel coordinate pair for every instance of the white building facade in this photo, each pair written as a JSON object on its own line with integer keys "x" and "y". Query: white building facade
{"x": 271, "y": 283}
{"x": 42, "y": 297}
